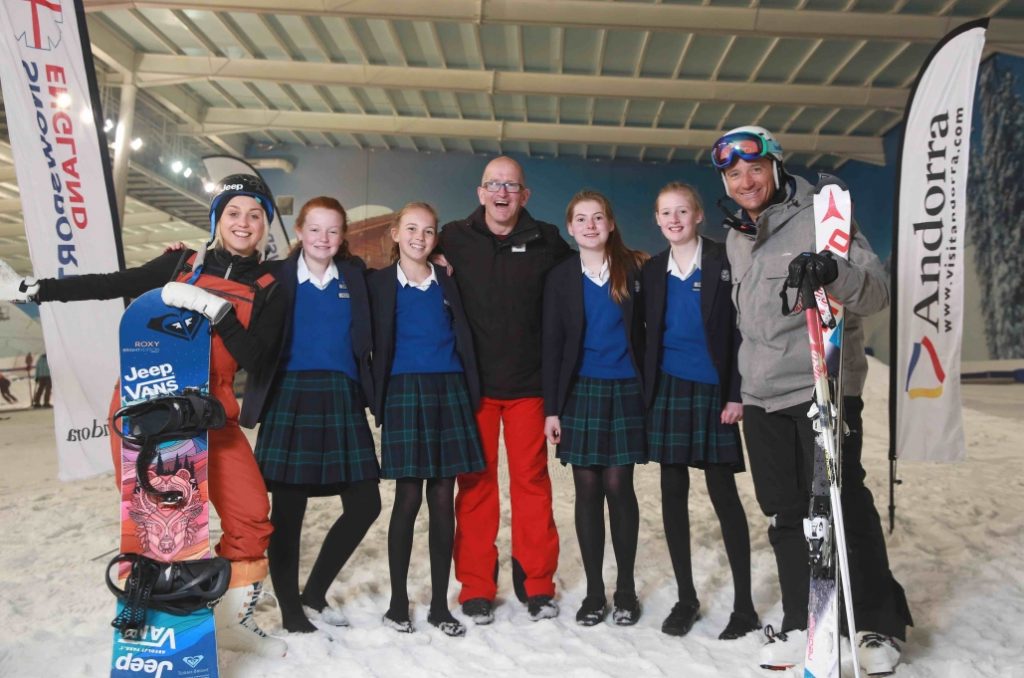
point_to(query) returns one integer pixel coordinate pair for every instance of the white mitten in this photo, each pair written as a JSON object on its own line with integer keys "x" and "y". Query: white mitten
{"x": 19, "y": 290}
{"x": 183, "y": 295}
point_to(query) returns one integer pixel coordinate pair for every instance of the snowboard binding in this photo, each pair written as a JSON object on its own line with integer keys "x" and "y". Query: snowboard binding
{"x": 163, "y": 419}
{"x": 178, "y": 588}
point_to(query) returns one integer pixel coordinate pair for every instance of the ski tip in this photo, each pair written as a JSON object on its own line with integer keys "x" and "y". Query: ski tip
{"x": 825, "y": 179}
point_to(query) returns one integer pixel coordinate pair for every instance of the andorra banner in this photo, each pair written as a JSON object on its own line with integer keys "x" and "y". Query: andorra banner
{"x": 62, "y": 165}
{"x": 928, "y": 250}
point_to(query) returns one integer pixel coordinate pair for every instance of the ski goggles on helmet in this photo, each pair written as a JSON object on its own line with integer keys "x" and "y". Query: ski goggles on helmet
{"x": 743, "y": 146}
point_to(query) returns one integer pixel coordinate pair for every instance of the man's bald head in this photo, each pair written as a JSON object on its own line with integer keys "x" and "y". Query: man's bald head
{"x": 502, "y": 206}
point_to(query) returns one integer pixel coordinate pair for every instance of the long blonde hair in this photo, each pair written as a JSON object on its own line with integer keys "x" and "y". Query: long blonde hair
{"x": 620, "y": 258}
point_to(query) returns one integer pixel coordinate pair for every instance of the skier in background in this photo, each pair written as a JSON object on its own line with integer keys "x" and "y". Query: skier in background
{"x": 5, "y": 389}
{"x": 44, "y": 384}
{"x": 774, "y": 224}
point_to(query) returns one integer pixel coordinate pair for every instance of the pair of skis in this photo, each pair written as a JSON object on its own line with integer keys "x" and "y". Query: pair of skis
{"x": 824, "y": 528}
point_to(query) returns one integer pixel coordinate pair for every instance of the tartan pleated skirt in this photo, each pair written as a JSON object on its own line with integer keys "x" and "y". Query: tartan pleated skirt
{"x": 315, "y": 434}
{"x": 603, "y": 424}
{"x": 428, "y": 429}
{"x": 684, "y": 426}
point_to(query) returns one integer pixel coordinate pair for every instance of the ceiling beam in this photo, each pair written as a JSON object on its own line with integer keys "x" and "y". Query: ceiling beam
{"x": 759, "y": 21}
{"x": 230, "y": 120}
{"x": 158, "y": 69}
{"x": 111, "y": 49}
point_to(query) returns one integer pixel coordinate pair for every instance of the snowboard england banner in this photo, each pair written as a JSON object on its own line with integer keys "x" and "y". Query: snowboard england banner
{"x": 928, "y": 248}
{"x": 67, "y": 199}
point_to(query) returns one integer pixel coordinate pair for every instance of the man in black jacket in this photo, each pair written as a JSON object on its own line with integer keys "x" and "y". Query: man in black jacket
{"x": 500, "y": 255}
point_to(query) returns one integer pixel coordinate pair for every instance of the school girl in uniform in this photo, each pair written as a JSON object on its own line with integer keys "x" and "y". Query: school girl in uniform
{"x": 426, "y": 389}
{"x": 593, "y": 400}
{"x": 311, "y": 398}
{"x": 692, "y": 389}
{"x": 238, "y": 295}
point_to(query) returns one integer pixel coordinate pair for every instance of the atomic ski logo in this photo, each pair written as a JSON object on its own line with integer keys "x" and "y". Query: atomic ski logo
{"x": 37, "y": 23}
{"x": 181, "y": 324}
{"x": 833, "y": 210}
{"x": 940, "y": 374}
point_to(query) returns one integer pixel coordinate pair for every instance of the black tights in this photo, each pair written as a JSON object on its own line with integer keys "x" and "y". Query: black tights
{"x": 441, "y": 505}
{"x": 593, "y": 485}
{"x": 360, "y": 507}
{"x": 721, "y": 482}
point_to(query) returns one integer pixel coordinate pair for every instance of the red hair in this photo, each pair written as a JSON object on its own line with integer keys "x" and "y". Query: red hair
{"x": 328, "y": 203}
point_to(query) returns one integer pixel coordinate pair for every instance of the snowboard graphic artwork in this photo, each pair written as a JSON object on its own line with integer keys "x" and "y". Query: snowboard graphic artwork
{"x": 165, "y": 351}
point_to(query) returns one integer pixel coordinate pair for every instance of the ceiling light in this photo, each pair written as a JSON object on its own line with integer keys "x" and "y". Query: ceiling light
{"x": 108, "y": 125}
{"x": 177, "y": 166}
{"x": 136, "y": 143}
{"x": 187, "y": 173}
{"x": 209, "y": 187}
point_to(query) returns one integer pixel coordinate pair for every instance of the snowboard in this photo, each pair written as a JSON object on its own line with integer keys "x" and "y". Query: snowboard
{"x": 824, "y": 527}
{"x": 164, "y": 351}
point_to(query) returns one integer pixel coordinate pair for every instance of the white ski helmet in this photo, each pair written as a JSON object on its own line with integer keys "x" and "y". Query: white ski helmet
{"x": 748, "y": 142}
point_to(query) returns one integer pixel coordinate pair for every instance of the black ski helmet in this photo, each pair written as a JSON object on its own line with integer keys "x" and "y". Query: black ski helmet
{"x": 251, "y": 185}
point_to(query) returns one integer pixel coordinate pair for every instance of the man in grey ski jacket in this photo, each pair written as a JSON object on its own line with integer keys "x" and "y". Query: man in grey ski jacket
{"x": 774, "y": 229}
{"x": 774, "y": 356}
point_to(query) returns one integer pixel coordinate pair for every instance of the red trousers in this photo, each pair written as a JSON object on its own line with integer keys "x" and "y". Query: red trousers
{"x": 477, "y": 511}
{"x": 237, "y": 491}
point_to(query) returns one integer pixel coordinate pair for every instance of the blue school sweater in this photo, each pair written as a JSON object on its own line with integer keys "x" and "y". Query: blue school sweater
{"x": 605, "y": 352}
{"x": 684, "y": 349}
{"x": 424, "y": 337}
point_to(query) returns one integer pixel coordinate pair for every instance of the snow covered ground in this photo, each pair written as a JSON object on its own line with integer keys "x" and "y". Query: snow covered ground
{"x": 958, "y": 549}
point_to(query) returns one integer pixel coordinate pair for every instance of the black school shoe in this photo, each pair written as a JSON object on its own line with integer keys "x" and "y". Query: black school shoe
{"x": 449, "y": 625}
{"x": 541, "y": 607}
{"x": 627, "y": 608}
{"x": 740, "y": 624}
{"x": 592, "y": 611}
{"x": 480, "y": 610}
{"x": 681, "y": 619}
{"x": 393, "y": 621}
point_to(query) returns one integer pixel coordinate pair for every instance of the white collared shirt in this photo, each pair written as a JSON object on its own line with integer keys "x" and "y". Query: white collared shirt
{"x": 673, "y": 267}
{"x": 304, "y": 274}
{"x": 425, "y": 285}
{"x": 602, "y": 277}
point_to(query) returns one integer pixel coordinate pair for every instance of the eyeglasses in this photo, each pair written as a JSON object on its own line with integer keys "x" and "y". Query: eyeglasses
{"x": 510, "y": 186}
{"x": 745, "y": 145}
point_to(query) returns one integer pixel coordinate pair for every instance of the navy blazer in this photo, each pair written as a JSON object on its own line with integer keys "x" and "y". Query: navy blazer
{"x": 565, "y": 326}
{"x": 285, "y": 271}
{"x": 716, "y": 310}
{"x": 383, "y": 286}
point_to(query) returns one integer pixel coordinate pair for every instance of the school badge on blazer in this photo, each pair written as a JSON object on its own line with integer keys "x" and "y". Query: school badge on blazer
{"x": 725, "y": 275}
{"x": 343, "y": 290}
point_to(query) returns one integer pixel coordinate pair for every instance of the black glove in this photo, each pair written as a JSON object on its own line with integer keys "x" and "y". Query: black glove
{"x": 816, "y": 269}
